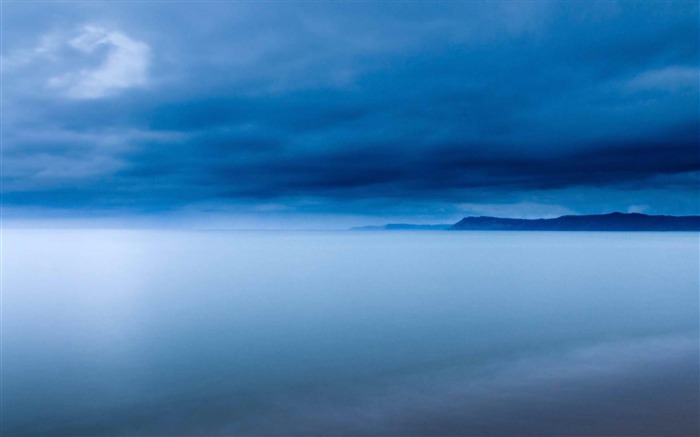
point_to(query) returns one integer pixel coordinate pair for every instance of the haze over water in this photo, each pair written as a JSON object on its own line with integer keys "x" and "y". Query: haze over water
{"x": 349, "y": 333}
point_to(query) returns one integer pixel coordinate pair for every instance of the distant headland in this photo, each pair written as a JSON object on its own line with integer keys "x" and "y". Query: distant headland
{"x": 616, "y": 221}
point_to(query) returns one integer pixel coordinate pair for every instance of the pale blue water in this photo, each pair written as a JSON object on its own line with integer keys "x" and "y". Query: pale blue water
{"x": 349, "y": 333}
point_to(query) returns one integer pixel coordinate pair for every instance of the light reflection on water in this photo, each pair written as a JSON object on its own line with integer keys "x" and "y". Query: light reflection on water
{"x": 370, "y": 333}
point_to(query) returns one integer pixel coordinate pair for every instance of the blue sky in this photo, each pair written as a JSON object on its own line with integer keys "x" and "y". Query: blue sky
{"x": 276, "y": 114}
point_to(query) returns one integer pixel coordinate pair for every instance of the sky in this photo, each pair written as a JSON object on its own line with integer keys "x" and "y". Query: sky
{"x": 331, "y": 114}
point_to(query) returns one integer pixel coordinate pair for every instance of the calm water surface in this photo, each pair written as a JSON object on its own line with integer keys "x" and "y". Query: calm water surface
{"x": 349, "y": 333}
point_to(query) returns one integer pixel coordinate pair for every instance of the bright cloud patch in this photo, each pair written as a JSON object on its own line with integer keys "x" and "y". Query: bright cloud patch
{"x": 125, "y": 65}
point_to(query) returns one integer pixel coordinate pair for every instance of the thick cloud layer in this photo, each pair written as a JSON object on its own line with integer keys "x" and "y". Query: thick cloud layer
{"x": 410, "y": 109}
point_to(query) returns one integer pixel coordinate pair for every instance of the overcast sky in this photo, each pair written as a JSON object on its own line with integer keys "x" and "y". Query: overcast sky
{"x": 266, "y": 114}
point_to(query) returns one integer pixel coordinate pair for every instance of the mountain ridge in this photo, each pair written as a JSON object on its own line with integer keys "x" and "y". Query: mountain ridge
{"x": 615, "y": 221}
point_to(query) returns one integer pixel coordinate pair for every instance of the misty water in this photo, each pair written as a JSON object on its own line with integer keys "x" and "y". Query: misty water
{"x": 109, "y": 332}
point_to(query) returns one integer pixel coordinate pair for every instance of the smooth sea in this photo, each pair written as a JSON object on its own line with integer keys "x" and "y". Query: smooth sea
{"x": 199, "y": 333}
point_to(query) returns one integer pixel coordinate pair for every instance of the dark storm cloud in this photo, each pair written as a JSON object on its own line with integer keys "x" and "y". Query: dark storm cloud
{"x": 158, "y": 106}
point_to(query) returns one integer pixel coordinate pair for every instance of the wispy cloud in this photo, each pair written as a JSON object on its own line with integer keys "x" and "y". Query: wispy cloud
{"x": 125, "y": 65}
{"x": 669, "y": 78}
